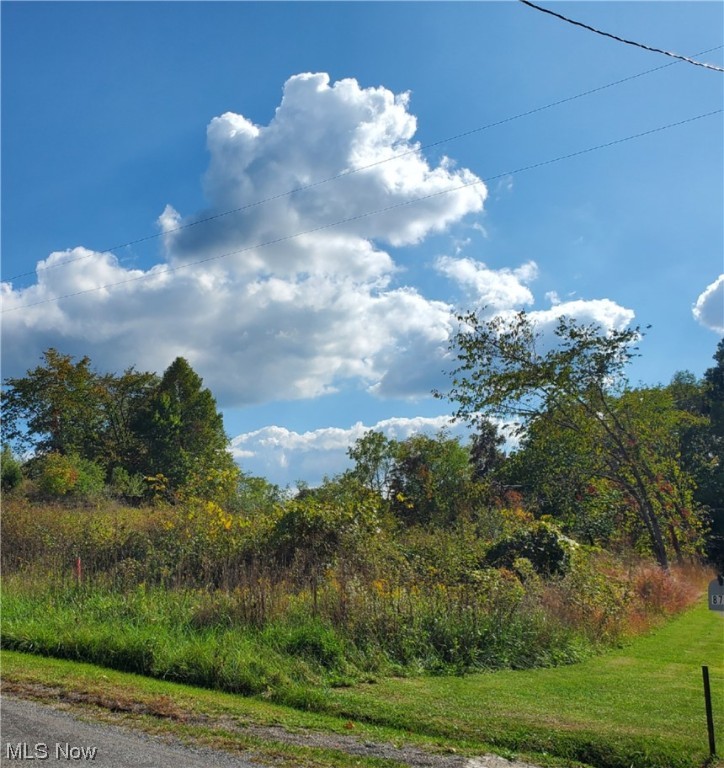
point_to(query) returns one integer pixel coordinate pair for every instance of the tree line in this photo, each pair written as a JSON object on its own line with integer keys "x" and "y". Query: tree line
{"x": 145, "y": 433}
{"x": 608, "y": 463}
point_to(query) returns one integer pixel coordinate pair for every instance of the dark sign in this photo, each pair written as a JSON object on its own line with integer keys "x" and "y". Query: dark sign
{"x": 716, "y": 594}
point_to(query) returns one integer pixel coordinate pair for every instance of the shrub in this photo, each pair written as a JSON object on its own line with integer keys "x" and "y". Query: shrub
{"x": 127, "y": 486}
{"x": 12, "y": 474}
{"x": 61, "y": 475}
{"x": 540, "y": 543}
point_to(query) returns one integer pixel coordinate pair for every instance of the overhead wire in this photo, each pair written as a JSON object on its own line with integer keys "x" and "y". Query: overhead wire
{"x": 285, "y": 238}
{"x": 350, "y": 171}
{"x": 622, "y": 39}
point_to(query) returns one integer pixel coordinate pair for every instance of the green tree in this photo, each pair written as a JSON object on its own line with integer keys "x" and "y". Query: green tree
{"x": 61, "y": 474}
{"x": 55, "y": 408}
{"x": 579, "y": 385}
{"x": 711, "y": 489}
{"x": 10, "y": 469}
{"x": 714, "y": 392}
{"x": 431, "y": 480}
{"x": 374, "y": 457}
{"x": 486, "y": 455}
{"x": 124, "y": 400}
{"x": 554, "y": 469}
{"x": 183, "y": 430}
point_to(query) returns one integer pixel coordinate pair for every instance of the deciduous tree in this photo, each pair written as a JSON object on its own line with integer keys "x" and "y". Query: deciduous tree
{"x": 578, "y": 384}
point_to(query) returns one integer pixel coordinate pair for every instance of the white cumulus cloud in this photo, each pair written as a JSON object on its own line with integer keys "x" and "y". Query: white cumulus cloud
{"x": 709, "y": 307}
{"x": 291, "y": 297}
{"x": 602, "y": 312}
{"x": 494, "y": 288}
{"x": 295, "y": 293}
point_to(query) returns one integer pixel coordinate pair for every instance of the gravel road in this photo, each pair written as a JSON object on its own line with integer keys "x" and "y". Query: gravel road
{"x": 29, "y": 730}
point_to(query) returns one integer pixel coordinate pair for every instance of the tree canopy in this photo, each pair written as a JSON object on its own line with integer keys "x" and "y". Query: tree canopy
{"x": 574, "y": 388}
{"x": 129, "y": 424}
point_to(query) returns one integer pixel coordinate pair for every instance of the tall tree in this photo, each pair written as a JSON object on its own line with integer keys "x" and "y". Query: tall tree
{"x": 714, "y": 392}
{"x": 577, "y": 384}
{"x": 431, "y": 480}
{"x": 712, "y": 491}
{"x": 184, "y": 431}
{"x": 124, "y": 399}
{"x": 55, "y": 408}
{"x": 486, "y": 454}
{"x": 374, "y": 458}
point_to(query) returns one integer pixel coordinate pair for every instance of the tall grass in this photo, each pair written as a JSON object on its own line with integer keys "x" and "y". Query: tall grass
{"x": 194, "y": 595}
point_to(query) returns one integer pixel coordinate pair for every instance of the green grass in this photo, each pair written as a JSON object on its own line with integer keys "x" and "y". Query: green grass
{"x": 172, "y": 635}
{"x": 196, "y": 637}
{"x": 639, "y": 706}
{"x": 200, "y": 716}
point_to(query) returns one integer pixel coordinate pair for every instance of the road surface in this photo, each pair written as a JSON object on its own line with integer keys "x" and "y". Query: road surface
{"x": 38, "y": 732}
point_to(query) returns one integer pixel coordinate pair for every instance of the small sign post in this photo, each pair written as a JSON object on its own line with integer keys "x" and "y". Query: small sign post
{"x": 716, "y": 594}
{"x": 709, "y": 716}
{"x": 716, "y": 603}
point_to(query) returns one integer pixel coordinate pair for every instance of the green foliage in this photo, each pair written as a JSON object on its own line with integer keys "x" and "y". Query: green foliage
{"x": 431, "y": 480}
{"x": 126, "y": 486}
{"x": 56, "y": 407}
{"x": 577, "y": 393}
{"x": 374, "y": 457}
{"x": 311, "y": 640}
{"x": 132, "y": 424}
{"x": 124, "y": 400}
{"x": 63, "y": 474}
{"x": 541, "y": 544}
{"x": 184, "y": 432}
{"x": 711, "y": 480}
{"x": 11, "y": 469}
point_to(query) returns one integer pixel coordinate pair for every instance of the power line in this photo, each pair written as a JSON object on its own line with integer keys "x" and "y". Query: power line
{"x": 352, "y": 171}
{"x": 360, "y": 216}
{"x": 621, "y": 39}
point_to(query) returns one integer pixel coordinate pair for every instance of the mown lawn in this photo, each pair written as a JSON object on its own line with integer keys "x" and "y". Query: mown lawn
{"x": 641, "y": 705}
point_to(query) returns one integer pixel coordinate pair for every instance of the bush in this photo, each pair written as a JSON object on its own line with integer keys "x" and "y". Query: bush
{"x": 127, "y": 486}
{"x": 12, "y": 474}
{"x": 61, "y": 475}
{"x": 540, "y": 543}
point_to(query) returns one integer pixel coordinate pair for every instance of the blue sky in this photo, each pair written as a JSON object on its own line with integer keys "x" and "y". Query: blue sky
{"x": 129, "y": 122}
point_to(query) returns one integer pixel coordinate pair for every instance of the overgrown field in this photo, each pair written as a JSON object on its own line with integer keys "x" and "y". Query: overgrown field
{"x": 284, "y": 604}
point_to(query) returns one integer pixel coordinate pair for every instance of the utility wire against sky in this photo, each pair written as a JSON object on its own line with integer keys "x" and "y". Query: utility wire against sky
{"x": 350, "y": 171}
{"x": 622, "y": 39}
{"x": 322, "y": 227}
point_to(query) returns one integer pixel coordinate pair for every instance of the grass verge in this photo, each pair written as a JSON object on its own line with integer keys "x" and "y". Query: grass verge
{"x": 263, "y": 731}
{"x": 639, "y": 706}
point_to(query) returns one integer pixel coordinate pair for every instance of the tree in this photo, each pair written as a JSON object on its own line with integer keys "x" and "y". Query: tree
{"x": 56, "y": 408}
{"x": 374, "y": 457}
{"x": 485, "y": 453}
{"x": 554, "y": 468}
{"x": 711, "y": 491}
{"x": 10, "y": 470}
{"x": 124, "y": 399}
{"x": 714, "y": 392}
{"x": 577, "y": 385}
{"x": 431, "y": 480}
{"x": 184, "y": 431}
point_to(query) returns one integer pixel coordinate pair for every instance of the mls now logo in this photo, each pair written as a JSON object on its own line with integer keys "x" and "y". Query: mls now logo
{"x": 24, "y": 751}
